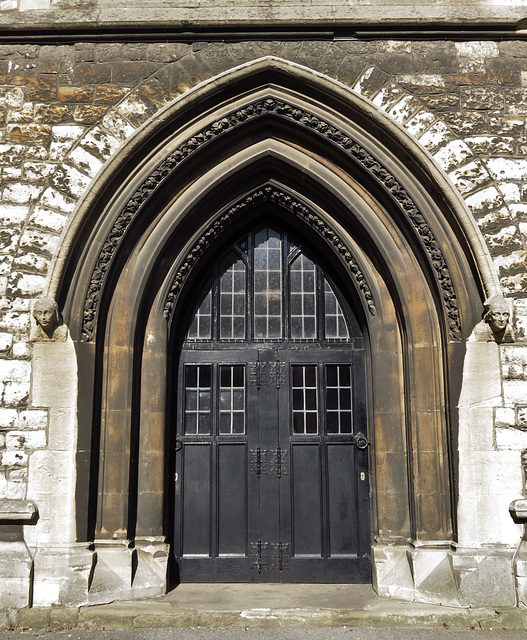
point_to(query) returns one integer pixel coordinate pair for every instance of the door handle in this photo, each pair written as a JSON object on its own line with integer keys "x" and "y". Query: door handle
{"x": 360, "y": 441}
{"x": 179, "y": 444}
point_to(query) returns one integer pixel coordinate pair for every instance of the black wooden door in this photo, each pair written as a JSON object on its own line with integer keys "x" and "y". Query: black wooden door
{"x": 271, "y": 456}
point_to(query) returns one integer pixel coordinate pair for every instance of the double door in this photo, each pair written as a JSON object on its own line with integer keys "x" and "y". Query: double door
{"x": 271, "y": 466}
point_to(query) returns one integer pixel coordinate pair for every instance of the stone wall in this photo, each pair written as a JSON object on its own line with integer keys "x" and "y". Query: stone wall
{"x": 66, "y": 110}
{"x": 57, "y": 14}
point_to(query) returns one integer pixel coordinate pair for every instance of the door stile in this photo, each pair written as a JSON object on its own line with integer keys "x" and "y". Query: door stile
{"x": 269, "y": 498}
{"x": 324, "y": 486}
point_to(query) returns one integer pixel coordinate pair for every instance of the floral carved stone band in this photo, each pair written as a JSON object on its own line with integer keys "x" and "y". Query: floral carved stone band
{"x": 303, "y": 118}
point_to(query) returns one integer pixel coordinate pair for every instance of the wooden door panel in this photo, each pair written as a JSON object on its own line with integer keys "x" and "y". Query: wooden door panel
{"x": 342, "y": 508}
{"x": 306, "y": 498}
{"x": 196, "y": 512}
{"x": 232, "y": 499}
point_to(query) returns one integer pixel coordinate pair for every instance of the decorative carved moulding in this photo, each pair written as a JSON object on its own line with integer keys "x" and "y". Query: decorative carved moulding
{"x": 267, "y": 193}
{"x": 303, "y": 118}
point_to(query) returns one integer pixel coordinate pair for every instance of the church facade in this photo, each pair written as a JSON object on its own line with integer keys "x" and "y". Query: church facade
{"x": 264, "y": 299}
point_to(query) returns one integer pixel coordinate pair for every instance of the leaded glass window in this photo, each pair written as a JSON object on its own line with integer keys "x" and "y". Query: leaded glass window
{"x": 338, "y": 398}
{"x": 334, "y": 320}
{"x": 268, "y": 288}
{"x": 267, "y": 285}
{"x": 198, "y": 399}
{"x": 305, "y": 401}
{"x": 232, "y": 399}
{"x": 303, "y": 310}
{"x": 233, "y": 299}
{"x": 201, "y": 326}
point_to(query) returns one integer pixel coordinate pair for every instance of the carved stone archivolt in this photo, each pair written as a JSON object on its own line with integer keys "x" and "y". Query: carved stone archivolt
{"x": 281, "y": 109}
{"x": 284, "y": 200}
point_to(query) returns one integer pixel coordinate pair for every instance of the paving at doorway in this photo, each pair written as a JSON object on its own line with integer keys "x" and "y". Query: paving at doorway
{"x": 267, "y": 606}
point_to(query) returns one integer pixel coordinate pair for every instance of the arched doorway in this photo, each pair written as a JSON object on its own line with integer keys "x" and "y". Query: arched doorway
{"x": 368, "y": 213}
{"x": 271, "y": 467}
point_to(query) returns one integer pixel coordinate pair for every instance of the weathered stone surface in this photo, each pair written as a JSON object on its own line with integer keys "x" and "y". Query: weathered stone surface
{"x": 465, "y": 104}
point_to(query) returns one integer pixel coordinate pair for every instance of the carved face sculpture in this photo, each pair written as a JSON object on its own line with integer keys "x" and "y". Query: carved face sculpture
{"x": 498, "y": 318}
{"x": 46, "y": 314}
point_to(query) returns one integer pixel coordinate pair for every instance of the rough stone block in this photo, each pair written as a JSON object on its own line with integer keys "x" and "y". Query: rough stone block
{"x": 32, "y": 262}
{"x": 112, "y": 574}
{"x": 12, "y": 97}
{"x": 70, "y": 181}
{"x": 62, "y": 575}
{"x": 56, "y": 200}
{"x": 120, "y": 127}
{"x": 470, "y": 177}
{"x": 14, "y": 458}
{"x": 482, "y": 98}
{"x": 14, "y": 320}
{"x": 434, "y": 577}
{"x": 15, "y": 568}
{"x": 437, "y": 136}
{"x": 404, "y": 109}
{"x": 508, "y": 168}
{"x": 442, "y": 102}
{"x": 485, "y": 579}
{"x": 515, "y": 262}
{"x": 12, "y": 214}
{"x": 39, "y": 241}
{"x": 88, "y": 114}
{"x": 419, "y": 123}
{"x": 134, "y": 109}
{"x": 32, "y": 133}
{"x": 24, "y": 284}
{"x": 14, "y": 371}
{"x": 33, "y": 419}
{"x": 46, "y": 219}
{"x": 85, "y": 162}
{"x": 481, "y": 202}
{"x": 505, "y": 240}
{"x": 504, "y": 417}
{"x": 76, "y": 94}
{"x": 507, "y": 438}
{"x": 52, "y": 113}
{"x": 388, "y": 96}
{"x": 67, "y": 132}
{"x": 16, "y": 394}
{"x": 392, "y": 575}
{"x": 26, "y": 439}
{"x": 6, "y": 342}
{"x": 8, "y": 240}
{"x": 109, "y": 95}
{"x": 370, "y": 81}
{"x": 21, "y": 193}
{"x": 453, "y": 155}
{"x": 8, "y": 418}
{"x": 100, "y": 143}
{"x": 481, "y": 376}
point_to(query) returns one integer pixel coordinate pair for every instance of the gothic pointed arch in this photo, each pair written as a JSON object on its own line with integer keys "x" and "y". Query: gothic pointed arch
{"x": 326, "y": 165}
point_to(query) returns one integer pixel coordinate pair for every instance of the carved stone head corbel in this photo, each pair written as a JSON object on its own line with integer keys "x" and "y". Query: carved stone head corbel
{"x": 496, "y": 325}
{"x": 49, "y": 325}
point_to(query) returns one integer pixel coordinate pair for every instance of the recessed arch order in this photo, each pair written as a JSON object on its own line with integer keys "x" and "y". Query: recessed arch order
{"x": 270, "y": 140}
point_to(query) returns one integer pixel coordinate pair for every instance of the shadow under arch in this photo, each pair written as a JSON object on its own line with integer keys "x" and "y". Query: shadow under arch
{"x": 317, "y": 156}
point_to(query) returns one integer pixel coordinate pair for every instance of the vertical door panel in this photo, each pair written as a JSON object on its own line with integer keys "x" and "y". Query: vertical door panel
{"x": 306, "y": 500}
{"x": 196, "y": 504}
{"x": 232, "y": 499}
{"x": 341, "y": 500}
